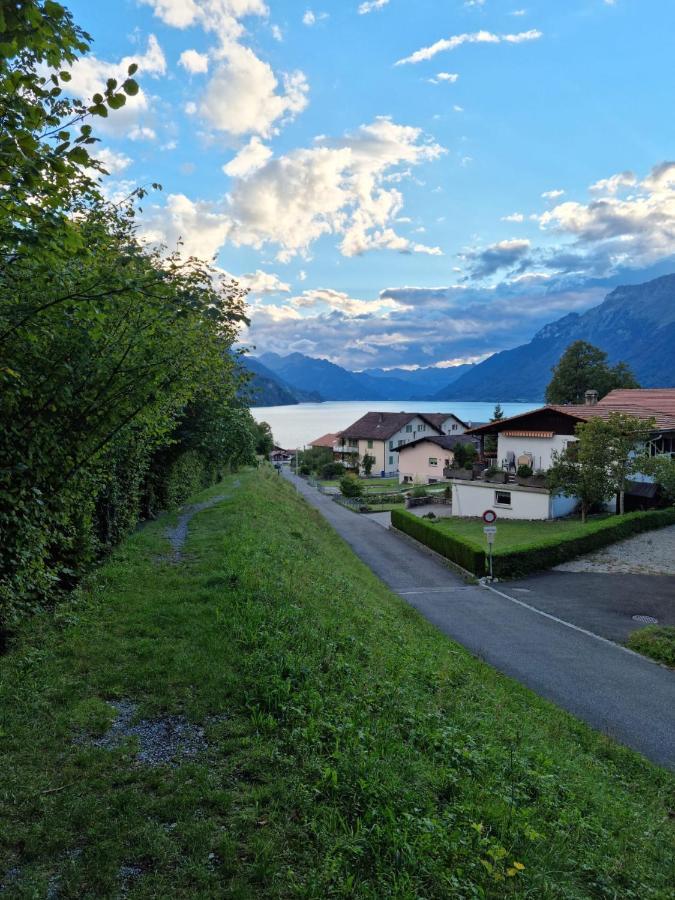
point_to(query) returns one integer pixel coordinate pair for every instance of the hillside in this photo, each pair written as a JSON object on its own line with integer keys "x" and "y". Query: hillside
{"x": 635, "y": 323}
{"x": 262, "y": 718}
{"x": 266, "y": 389}
{"x": 333, "y": 382}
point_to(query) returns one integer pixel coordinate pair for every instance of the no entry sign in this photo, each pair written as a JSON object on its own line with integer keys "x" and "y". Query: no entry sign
{"x": 489, "y": 516}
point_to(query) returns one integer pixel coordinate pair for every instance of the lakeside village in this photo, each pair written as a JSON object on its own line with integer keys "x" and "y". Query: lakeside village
{"x": 560, "y": 480}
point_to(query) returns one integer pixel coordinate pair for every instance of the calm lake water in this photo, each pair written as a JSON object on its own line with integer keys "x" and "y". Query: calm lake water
{"x": 295, "y": 426}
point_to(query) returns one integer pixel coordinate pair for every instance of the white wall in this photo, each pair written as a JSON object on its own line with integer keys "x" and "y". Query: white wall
{"x": 452, "y": 425}
{"x": 418, "y": 429}
{"x": 472, "y": 498}
{"x": 540, "y": 448}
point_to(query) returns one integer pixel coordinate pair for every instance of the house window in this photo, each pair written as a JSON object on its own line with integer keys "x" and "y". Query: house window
{"x": 421, "y": 427}
{"x": 391, "y": 460}
{"x": 401, "y": 443}
{"x": 408, "y": 428}
{"x": 391, "y": 445}
{"x": 370, "y": 445}
{"x": 502, "y": 498}
{"x": 433, "y": 481}
{"x": 433, "y": 461}
{"x": 454, "y": 427}
{"x": 353, "y": 442}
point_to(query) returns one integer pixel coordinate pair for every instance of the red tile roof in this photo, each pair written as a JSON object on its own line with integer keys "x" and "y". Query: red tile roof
{"x": 326, "y": 440}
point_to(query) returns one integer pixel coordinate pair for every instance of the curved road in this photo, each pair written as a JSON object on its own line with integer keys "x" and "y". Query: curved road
{"x": 612, "y": 689}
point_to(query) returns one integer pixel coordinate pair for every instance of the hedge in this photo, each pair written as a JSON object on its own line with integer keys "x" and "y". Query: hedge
{"x": 591, "y": 536}
{"x": 457, "y": 550}
{"x": 535, "y": 556}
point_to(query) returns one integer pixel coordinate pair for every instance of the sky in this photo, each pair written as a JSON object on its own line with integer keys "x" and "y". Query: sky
{"x": 398, "y": 183}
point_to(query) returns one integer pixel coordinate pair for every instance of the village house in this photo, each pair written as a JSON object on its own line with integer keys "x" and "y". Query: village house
{"x": 533, "y": 439}
{"x": 381, "y": 435}
{"x": 425, "y": 460}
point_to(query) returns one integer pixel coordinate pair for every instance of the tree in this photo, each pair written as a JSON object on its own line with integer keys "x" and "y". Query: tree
{"x": 351, "y": 486}
{"x": 662, "y": 469}
{"x": 624, "y": 435}
{"x": 464, "y": 455}
{"x": 264, "y": 439}
{"x": 583, "y": 367}
{"x": 368, "y": 462}
{"x": 498, "y": 413}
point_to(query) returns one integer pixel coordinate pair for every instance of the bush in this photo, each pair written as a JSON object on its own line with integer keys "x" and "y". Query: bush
{"x": 305, "y": 469}
{"x": 493, "y": 470}
{"x": 332, "y": 471}
{"x": 524, "y": 472}
{"x": 351, "y": 486}
{"x": 462, "y": 552}
{"x": 419, "y": 491}
{"x": 591, "y": 536}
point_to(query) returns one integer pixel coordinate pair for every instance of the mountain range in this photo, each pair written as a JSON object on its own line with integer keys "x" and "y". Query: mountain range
{"x": 635, "y": 323}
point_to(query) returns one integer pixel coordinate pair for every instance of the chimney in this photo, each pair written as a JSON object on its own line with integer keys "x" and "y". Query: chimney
{"x": 591, "y": 398}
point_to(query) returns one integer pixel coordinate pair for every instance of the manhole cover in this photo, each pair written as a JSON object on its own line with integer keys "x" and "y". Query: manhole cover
{"x": 646, "y": 620}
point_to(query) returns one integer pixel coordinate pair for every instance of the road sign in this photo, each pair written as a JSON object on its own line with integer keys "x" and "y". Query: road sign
{"x": 489, "y": 516}
{"x": 490, "y": 532}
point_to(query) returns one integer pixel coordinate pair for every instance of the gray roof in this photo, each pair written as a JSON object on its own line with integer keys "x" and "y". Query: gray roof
{"x": 446, "y": 441}
{"x": 380, "y": 426}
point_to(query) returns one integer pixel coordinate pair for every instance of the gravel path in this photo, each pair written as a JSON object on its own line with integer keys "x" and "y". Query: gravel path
{"x": 652, "y": 553}
{"x": 178, "y": 534}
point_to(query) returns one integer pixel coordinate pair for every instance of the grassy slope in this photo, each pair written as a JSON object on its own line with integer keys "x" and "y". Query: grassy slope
{"x": 657, "y": 641}
{"x": 361, "y": 753}
{"x": 512, "y": 533}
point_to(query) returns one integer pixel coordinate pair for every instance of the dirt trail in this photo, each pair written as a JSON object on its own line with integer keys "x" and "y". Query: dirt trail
{"x": 178, "y": 534}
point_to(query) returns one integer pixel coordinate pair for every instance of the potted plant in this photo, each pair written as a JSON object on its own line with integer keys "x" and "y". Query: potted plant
{"x": 495, "y": 475}
{"x": 524, "y": 475}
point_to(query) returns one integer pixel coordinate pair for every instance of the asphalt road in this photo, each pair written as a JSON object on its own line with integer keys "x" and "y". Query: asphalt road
{"x": 615, "y": 691}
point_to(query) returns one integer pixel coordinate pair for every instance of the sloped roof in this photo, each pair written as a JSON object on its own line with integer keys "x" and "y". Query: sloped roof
{"x": 439, "y": 418}
{"x": 380, "y": 426}
{"x": 326, "y": 440}
{"x": 661, "y": 399}
{"x": 446, "y": 441}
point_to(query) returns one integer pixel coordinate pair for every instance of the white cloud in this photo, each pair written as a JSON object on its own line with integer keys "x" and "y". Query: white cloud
{"x": 277, "y": 33}
{"x": 249, "y": 159}
{"x": 260, "y": 282}
{"x": 338, "y": 300}
{"x": 518, "y": 12}
{"x": 194, "y": 62}
{"x": 142, "y": 133}
{"x": 553, "y": 195}
{"x": 334, "y": 188}
{"x": 369, "y": 6}
{"x": 311, "y": 18}
{"x": 89, "y": 75}
{"x": 113, "y": 161}
{"x": 478, "y": 37}
{"x": 444, "y": 78}
{"x": 514, "y": 217}
{"x": 457, "y": 109}
{"x": 242, "y": 96}
{"x": 614, "y": 183}
{"x": 219, "y": 16}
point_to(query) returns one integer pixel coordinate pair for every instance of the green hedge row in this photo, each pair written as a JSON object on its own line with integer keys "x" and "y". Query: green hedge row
{"x": 535, "y": 556}
{"x": 457, "y": 550}
{"x": 589, "y": 537}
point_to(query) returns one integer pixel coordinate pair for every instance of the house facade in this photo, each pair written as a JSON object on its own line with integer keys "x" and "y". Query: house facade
{"x": 534, "y": 438}
{"x": 381, "y": 435}
{"x": 423, "y": 461}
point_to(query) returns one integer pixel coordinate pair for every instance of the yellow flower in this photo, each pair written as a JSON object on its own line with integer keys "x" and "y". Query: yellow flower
{"x": 519, "y": 866}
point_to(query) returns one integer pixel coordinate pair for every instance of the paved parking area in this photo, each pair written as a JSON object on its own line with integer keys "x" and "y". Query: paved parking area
{"x": 651, "y": 553}
{"x": 602, "y": 603}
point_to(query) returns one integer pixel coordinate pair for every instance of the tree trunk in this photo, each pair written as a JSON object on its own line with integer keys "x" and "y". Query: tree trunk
{"x": 583, "y": 512}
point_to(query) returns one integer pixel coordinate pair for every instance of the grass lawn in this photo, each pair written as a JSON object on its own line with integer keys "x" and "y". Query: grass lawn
{"x": 385, "y": 484}
{"x": 349, "y": 749}
{"x": 514, "y": 533}
{"x": 657, "y": 641}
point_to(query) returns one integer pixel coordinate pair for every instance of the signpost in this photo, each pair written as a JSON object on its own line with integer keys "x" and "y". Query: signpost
{"x": 490, "y": 530}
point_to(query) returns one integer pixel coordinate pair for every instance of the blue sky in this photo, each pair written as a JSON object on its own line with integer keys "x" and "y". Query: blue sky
{"x": 415, "y": 183}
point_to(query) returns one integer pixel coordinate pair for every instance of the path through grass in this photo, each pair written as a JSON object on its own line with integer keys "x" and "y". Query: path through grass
{"x": 339, "y": 746}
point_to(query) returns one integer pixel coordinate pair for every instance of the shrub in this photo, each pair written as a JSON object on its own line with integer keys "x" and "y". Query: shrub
{"x": 588, "y": 537}
{"x": 332, "y": 471}
{"x": 351, "y": 486}
{"x": 305, "y": 469}
{"x": 493, "y": 470}
{"x": 524, "y": 471}
{"x": 419, "y": 491}
{"x": 466, "y": 554}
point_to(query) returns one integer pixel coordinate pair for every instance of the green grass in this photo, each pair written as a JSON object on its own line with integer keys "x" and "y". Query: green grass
{"x": 657, "y": 641}
{"x": 356, "y": 752}
{"x": 514, "y": 533}
{"x": 386, "y": 484}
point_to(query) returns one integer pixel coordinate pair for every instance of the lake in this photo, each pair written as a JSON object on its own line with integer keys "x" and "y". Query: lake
{"x": 295, "y": 426}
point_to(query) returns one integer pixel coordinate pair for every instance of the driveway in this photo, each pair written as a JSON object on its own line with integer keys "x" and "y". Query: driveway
{"x": 615, "y": 691}
{"x": 602, "y": 603}
{"x": 652, "y": 553}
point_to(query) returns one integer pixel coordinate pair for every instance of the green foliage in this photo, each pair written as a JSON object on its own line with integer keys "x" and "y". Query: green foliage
{"x": 332, "y": 471}
{"x": 264, "y": 439}
{"x": 656, "y": 641}
{"x": 458, "y": 550}
{"x": 547, "y": 552}
{"x": 315, "y": 458}
{"x": 464, "y": 455}
{"x": 524, "y": 471}
{"x": 118, "y": 392}
{"x": 662, "y": 469}
{"x": 351, "y": 486}
{"x": 498, "y": 413}
{"x": 368, "y": 462}
{"x": 583, "y": 367}
{"x": 419, "y": 490}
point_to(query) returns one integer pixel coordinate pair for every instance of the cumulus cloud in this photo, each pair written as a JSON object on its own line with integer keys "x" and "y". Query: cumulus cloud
{"x": 89, "y": 75}
{"x": 477, "y": 37}
{"x": 200, "y": 227}
{"x": 259, "y": 283}
{"x": 444, "y": 78}
{"x": 219, "y": 16}
{"x": 552, "y": 195}
{"x": 113, "y": 161}
{"x": 369, "y": 6}
{"x": 249, "y": 159}
{"x": 194, "y": 62}
{"x": 311, "y": 18}
{"x": 514, "y": 217}
{"x": 243, "y": 95}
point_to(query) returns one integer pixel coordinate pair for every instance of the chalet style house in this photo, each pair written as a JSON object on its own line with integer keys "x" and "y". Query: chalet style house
{"x": 380, "y": 435}
{"x": 532, "y": 439}
{"x": 426, "y": 460}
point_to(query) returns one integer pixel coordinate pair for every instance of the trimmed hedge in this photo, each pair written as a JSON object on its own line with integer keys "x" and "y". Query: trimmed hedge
{"x": 466, "y": 554}
{"x": 535, "y": 556}
{"x": 591, "y": 536}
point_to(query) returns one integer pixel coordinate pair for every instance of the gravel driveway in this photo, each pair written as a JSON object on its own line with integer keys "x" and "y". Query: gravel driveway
{"x": 652, "y": 553}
